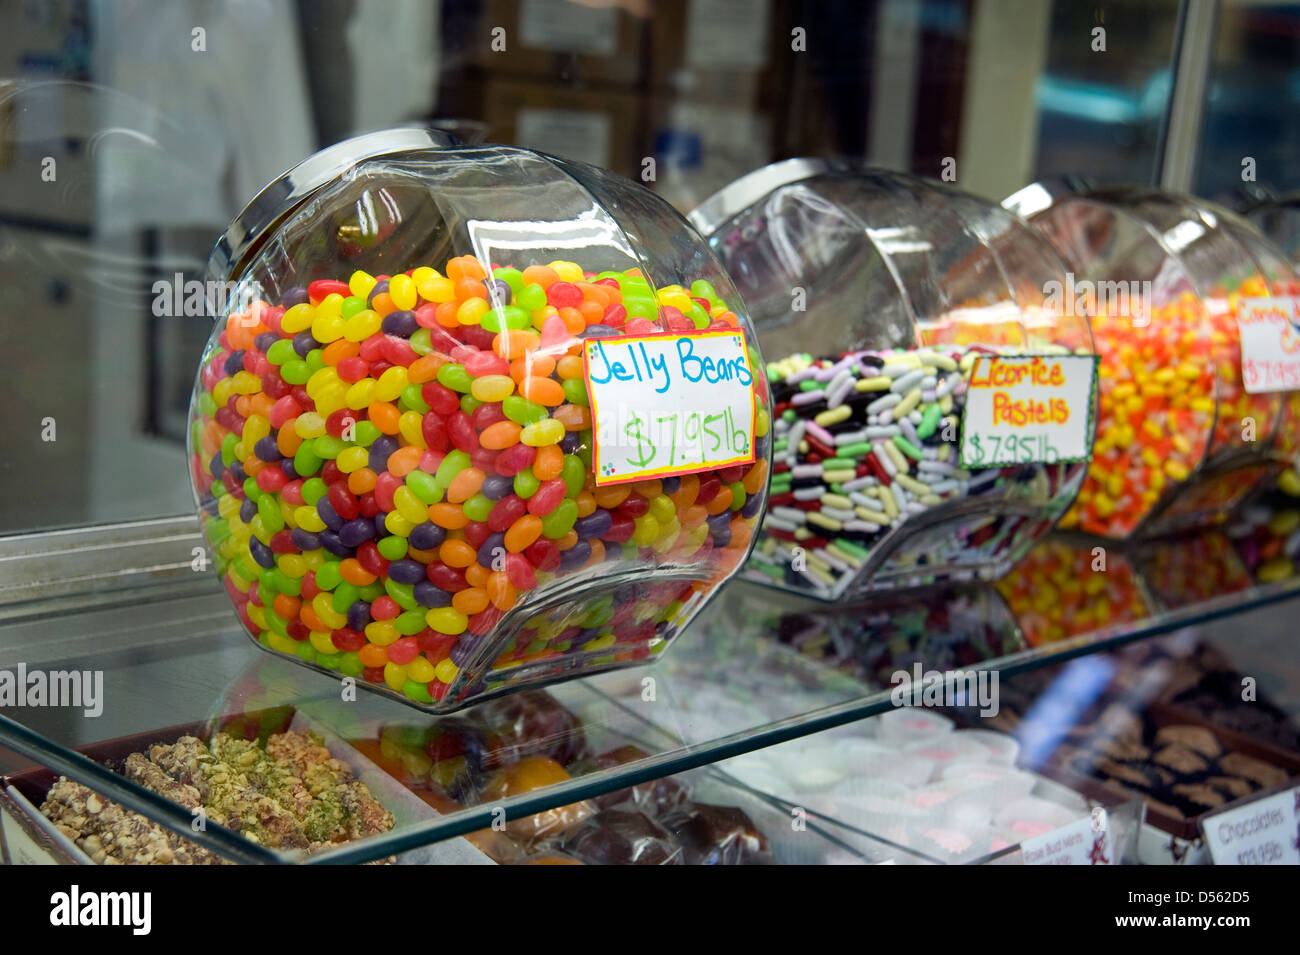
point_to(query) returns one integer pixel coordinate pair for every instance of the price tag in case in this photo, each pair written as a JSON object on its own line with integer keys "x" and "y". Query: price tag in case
{"x": 1026, "y": 408}
{"x": 1085, "y": 841}
{"x": 1263, "y": 832}
{"x": 669, "y": 404}
{"x": 1270, "y": 344}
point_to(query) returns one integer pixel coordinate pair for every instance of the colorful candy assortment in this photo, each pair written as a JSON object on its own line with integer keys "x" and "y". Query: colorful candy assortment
{"x": 865, "y": 442}
{"x": 389, "y": 466}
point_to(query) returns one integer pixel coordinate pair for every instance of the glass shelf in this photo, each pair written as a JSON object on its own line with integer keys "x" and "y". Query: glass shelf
{"x": 757, "y": 669}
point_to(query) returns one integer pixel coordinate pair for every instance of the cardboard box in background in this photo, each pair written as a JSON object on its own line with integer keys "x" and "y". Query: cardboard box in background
{"x": 595, "y": 126}
{"x": 600, "y": 41}
{"x": 724, "y": 51}
{"x": 701, "y": 146}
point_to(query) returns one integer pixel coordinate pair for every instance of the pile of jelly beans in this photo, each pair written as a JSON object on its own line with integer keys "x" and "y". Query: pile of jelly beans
{"x": 387, "y": 466}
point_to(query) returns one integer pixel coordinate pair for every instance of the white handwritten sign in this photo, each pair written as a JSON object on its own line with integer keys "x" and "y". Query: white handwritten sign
{"x": 669, "y": 404}
{"x": 1022, "y": 408}
{"x": 1270, "y": 344}
{"x": 1085, "y": 841}
{"x": 1263, "y": 832}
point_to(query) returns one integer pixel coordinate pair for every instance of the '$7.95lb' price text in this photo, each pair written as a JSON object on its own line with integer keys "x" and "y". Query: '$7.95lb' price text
{"x": 993, "y": 450}
{"x": 663, "y": 440}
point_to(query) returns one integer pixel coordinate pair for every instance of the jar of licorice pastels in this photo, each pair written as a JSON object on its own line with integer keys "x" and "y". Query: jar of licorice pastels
{"x": 934, "y": 391}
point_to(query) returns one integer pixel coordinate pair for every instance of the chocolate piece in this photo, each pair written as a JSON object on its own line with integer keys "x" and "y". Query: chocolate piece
{"x": 1234, "y": 787}
{"x": 718, "y": 835}
{"x": 1181, "y": 759}
{"x": 616, "y": 837}
{"x": 1201, "y": 795}
{"x": 1265, "y": 775}
{"x": 1196, "y": 738}
{"x": 655, "y": 798}
{"x": 1141, "y": 775}
{"x": 1121, "y": 749}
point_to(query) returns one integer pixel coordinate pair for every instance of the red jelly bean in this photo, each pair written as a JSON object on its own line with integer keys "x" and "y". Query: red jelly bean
{"x": 635, "y": 506}
{"x": 462, "y": 432}
{"x": 620, "y": 530}
{"x": 505, "y": 512}
{"x": 564, "y": 295}
{"x": 435, "y": 645}
{"x": 482, "y": 363}
{"x": 403, "y": 650}
{"x": 297, "y": 629}
{"x": 385, "y": 485}
{"x": 709, "y": 487}
{"x": 368, "y": 556}
{"x": 317, "y": 290}
{"x": 377, "y": 368}
{"x": 399, "y": 350}
{"x": 520, "y": 572}
{"x": 309, "y": 588}
{"x": 353, "y": 369}
{"x": 486, "y": 415}
{"x": 450, "y": 579}
{"x": 347, "y": 640}
{"x": 484, "y": 621}
{"x": 484, "y": 459}
{"x": 426, "y": 316}
{"x": 282, "y": 543}
{"x": 368, "y": 506}
{"x": 299, "y": 393}
{"x": 478, "y": 336}
{"x": 642, "y": 326}
{"x": 384, "y": 608}
{"x": 271, "y": 480}
{"x": 282, "y": 411}
{"x": 273, "y": 386}
{"x": 676, "y": 321}
{"x": 543, "y": 554}
{"x": 373, "y": 674}
{"x": 434, "y": 429}
{"x": 430, "y": 461}
{"x": 256, "y": 362}
{"x": 342, "y": 501}
{"x": 732, "y": 475}
{"x": 292, "y": 492}
{"x": 514, "y": 459}
{"x": 440, "y": 398}
{"x": 372, "y": 349}
{"x": 614, "y": 316}
{"x": 330, "y": 473}
{"x": 549, "y": 495}
{"x": 476, "y": 532}
{"x": 463, "y": 352}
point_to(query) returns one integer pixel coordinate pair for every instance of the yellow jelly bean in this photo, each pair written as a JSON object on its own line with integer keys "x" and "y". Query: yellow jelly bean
{"x": 352, "y": 459}
{"x": 395, "y": 674}
{"x": 471, "y": 311}
{"x": 447, "y": 620}
{"x": 324, "y": 607}
{"x": 410, "y": 506}
{"x": 422, "y": 274}
{"x": 663, "y": 509}
{"x": 399, "y": 526}
{"x": 362, "y": 325}
{"x": 281, "y": 644}
{"x": 246, "y": 383}
{"x": 492, "y": 387}
{"x": 402, "y": 291}
{"x": 1176, "y": 470}
{"x": 446, "y": 670}
{"x": 361, "y": 394}
{"x": 381, "y": 632}
{"x": 567, "y": 271}
{"x": 420, "y": 670}
{"x": 308, "y": 519}
{"x": 321, "y": 641}
{"x": 408, "y": 426}
{"x": 646, "y": 529}
{"x": 297, "y": 318}
{"x": 438, "y": 290}
{"x": 331, "y": 304}
{"x": 542, "y": 433}
{"x": 327, "y": 327}
{"x": 222, "y": 391}
{"x": 320, "y": 380}
{"x": 293, "y": 565}
{"x": 331, "y": 400}
{"x": 359, "y": 284}
{"x": 762, "y": 422}
{"x": 603, "y": 642}
{"x": 391, "y": 384}
{"x": 314, "y": 559}
{"x": 309, "y": 425}
{"x": 228, "y": 506}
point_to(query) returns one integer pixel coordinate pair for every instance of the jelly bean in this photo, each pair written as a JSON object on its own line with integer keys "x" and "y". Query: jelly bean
{"x": 523, "y": 532}
{"x": 522, "y": 411}
{"x": 547, "y": 496}
{"x": 541, "y": 433}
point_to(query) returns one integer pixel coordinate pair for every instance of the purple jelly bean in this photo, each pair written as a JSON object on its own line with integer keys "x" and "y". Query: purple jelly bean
{"x": 380, "y": 452}
{"x": 465, "y": 648}
{"x": 265, "y": 340}
{"x": 599, "y": 331}
{"x": 304, "y": 540}
{"x": 575, "y": 556}
{"x": 406, "y": 571}
{"x": 286, "y": 465}
{"x": 672, "y": 485}
{"x": 498, "y": 290}
{"x": 359, "y": 615}
{"x": 261, "y": 553}
{"x": 595, "y": 524}
{"x": 496, "y": 486}
{"x": 381, "y": 527}
{"x": 429, "y": 594}
{"x": 304, "y": 342}
{"x": 237, "y": 469}
{"x": 330, "y": 516}
{"x": 334, "y": 544}
{"x": 402, "y": 324}
{"x": 379, "y": 288}
{"x": 247, "y": 510}
{"x": 266, "y": 450}
{"x": 234, "y": 363}
{"x": 215, "y": 467}
{"x": 571, "y": 443}
{"x": 426, "y": 536}
{"x": 490, "y": 549}
{"x": 752, "y": 505}
{"x": 356, "y": 532}
{"x": 719, "y": 522}
{"x": 585, "y": 637}
{"x": 295, "y": 295}
{"x": 211, "y": 505}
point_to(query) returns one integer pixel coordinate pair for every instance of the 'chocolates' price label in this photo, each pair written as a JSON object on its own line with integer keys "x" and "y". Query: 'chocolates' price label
{"x": 1263, "y": 832}
{"x": 1025, "y": 408}
{"x": 1270, "y": 344}
{"x": 669, "y": 404}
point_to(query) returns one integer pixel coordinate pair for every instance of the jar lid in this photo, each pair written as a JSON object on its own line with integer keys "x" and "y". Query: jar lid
{"x": 710, "y": 214}
{"x": 291, "y": 189}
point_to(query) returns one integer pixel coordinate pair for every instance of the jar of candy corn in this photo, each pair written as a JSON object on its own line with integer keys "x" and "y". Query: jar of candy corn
{"x": 1182, "y": 434}
{"x": 874, "y": 295}
{"x": 408, "y": 434}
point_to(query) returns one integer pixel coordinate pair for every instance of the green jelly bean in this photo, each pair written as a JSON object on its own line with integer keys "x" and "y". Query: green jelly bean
{"x": 251, "y": 490}
{"x": 403, "y": 594}
{"x": 245, "y": 568}
{"x": 263, "y": 640}
{"x": 328, "y": 576}
{"x": 329, "y": 661}
{"x": 737, "y": 496}
{"x": 280, "y": 352}
{"x": 313, "y": 489}
{"x": 411, "y": 622}
{"x": 420, "y": 341}
{"x": 327, "y": 447}
{"x": 296, "y": 372}
{"x": 455, "y": 462}
{"x": 207, "y": 406}
{"x": 907, "y": 447}
{"x": 266, "y": 583}
{"x": 522, "y": 411}
{"x": 306, "y": 651}
{"x": 599, "y": 613}
{"x": 275, "y": 622}
{"x": 372, "y": 591}
{"x": 560, "y": 521}
{"x": 411, "y": 399}
{"x": 491, "y": 320}
{"x": 573, "y": 474}
{"x": 392, "y": 547}
{"x": 218, "y": 529}
{"x": 228, "y": 449}
{"x": 478, "y": 507}
{"x": 424, "y": 486}
{"x": 640, "y": 307}
{"x": 351, "y": 305}
{"x": 306, "y": 461}
{"x": 315, "y": 360}
{"x": 788, "y": 415}
{"x": 929, "y": 421}
{"x": 345, "y": 595}
{"x": 364, "y": 433}
{"x": 575, "y": 390}
{"x": 702, "y": 288}
{"x": 455, "y": 377}
{"x": 698, "y": 315}
{"x": 531, "y": 297}
{"x": 537, "y": 646}
{"x": 418, "y": 692}
{"x": 517, "y": 319}
{"x": 468, "y": 404}
{"x": 584, "y": 449}
{"x": 512, "y": 277}
{"x": 286, "y": 584}
{"x": 526, "y": 483}
{"x": 351, "y": 665}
